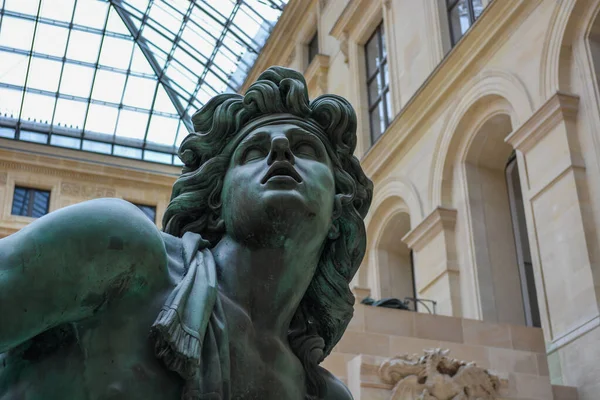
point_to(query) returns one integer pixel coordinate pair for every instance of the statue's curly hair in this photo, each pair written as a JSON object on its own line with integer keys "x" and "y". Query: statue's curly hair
{"x": 195, "y": 206}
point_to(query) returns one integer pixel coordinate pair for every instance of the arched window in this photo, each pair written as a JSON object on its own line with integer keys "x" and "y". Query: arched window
{"x": 395, "y": 261}
{"x": 499, "y": 233}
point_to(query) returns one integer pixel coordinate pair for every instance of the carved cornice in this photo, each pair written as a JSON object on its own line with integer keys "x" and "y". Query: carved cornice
{"x": 441, "y": 219}
{"x": 349, "y": 18}
{"x": 100, "y": 169}
{"x": 560, "y": 107}
{"x": 124, "y": 178}
{"x": 316, "y": 73}
{"x": 462, "y": 63}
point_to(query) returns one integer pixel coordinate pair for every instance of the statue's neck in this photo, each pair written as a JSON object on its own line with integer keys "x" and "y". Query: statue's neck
{"x": 267, "y": 283}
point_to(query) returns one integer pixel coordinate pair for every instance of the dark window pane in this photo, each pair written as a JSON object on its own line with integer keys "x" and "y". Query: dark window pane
{"x": 382, "y": 122}
{"x": 477, "y": 8}
{"x": 388, "y": 106}
{"x": 385, "y": 75}
{"x": 372, "y": 53}
{"x": 377, "y": 83}
{"x": 461, "y": 15}
{"x": 30, "y": 202}
{"x": 313, "y": 47}
{"x": 376, "y": 130}
{"x": 150, "y": 211}
{"x": 374, "y": 90}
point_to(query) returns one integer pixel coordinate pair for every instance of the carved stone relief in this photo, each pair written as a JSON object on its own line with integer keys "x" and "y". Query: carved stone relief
{"x": 86, "y": 191}
{"x": 434, "y": 376}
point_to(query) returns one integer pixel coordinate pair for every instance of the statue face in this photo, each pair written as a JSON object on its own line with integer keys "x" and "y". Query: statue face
{"x": 279, "y": 185}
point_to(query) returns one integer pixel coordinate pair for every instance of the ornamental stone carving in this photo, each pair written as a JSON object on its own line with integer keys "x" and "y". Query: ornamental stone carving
{"x": 435, "y": 376}
{"x": 86, "y": 191}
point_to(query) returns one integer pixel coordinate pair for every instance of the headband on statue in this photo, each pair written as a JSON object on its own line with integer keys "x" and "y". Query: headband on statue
{"x": 282, "y": 118}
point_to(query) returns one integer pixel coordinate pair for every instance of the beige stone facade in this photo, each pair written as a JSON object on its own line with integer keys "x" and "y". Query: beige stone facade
{"x": 521, "y": 84}
{"x": 72, "y": 176}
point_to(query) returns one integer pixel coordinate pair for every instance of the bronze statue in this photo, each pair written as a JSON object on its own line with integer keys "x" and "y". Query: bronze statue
{"x": 241, "y": 297}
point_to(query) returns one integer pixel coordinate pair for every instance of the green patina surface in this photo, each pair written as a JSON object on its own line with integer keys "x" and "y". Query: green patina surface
{"x": 243, "y": 294}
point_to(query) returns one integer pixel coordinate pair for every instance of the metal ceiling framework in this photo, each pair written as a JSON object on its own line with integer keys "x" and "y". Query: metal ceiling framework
{"x": 122, "y": 77}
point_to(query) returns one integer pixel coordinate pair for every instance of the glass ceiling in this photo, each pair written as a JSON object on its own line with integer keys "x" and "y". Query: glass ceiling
{"x": 122, "y": 77}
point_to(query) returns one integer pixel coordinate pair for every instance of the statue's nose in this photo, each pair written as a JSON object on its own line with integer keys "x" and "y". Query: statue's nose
{"x": 280, "y": 150}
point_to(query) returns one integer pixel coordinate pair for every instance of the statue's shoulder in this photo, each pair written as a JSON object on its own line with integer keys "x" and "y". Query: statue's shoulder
{"x": 97, "y": 233}
{"x": 336, "y": 390}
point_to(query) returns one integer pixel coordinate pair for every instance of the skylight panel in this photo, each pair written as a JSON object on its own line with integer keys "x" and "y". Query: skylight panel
{"x": 116, "y": 52}
{"x": 91, "y": 13}
{"x": 16, "y": 33}
{"x": 51, "y": 40}
{"x": 57, "y": 10}
{"x": 44, "y": 74}
{"x": 108, "y": 86}
{"x": 76, "y": 80}
{"x": 139, "y": 92}
{"x": 121, "y": 77}
{"x": 70, "y": 114}
{"x": 22, "y": 6}
{"x": 83, "y": 46}
{"x": 163, "y": 103}
{"x": 38, "y": 107}
{"x": 132, "y": 124}
{"x": 10, "y": 102}
{"x": 13, "y": 68}
{"x": 101, "y": 119}
{"x": 162, "y": 130}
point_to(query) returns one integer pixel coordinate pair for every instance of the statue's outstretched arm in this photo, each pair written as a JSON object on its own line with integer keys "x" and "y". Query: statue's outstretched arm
{"x": 68, "y": 264}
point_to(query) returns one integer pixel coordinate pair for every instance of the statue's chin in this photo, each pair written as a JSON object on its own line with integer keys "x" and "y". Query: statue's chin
{"x": 278, "y": 224}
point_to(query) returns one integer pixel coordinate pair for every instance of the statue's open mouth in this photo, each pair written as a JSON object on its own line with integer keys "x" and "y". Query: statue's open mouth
{"x": 281, "y": 168}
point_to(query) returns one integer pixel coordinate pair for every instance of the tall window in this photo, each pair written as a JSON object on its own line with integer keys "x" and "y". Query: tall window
{"x": 313, "y": 47}
{"x": 150, "y": 211}
{"x": 378, "y": 84}
{"x": 461, "y": 15}
{"x": 30, "y": 202}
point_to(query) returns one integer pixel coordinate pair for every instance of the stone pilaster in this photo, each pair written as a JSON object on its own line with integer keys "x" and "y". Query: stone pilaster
{"x": 435, "y": 264}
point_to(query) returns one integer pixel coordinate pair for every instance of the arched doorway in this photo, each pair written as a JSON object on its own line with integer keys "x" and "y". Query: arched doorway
{"x": 499, "y": 232}
{"x": 394, "y": 259}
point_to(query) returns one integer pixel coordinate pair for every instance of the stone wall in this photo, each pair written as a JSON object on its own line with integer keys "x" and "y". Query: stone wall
{"x": 522, "y": 83}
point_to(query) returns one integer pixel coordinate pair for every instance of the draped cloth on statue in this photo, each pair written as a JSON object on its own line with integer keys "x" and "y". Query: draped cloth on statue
{"x": 190, "y": 332}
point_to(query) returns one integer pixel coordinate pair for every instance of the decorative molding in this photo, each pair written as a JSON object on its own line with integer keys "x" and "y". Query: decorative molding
{"x": 3, "y": 177}
{"x": 387, "y": 4}
{"x": 439, "y": 220}
{"x": 560, "y": 107}
{"x": 316, "y": 73}
{"x": 349, "y": 18}
{"x": 573, "y": 334}
{"x": 344, "y": 47}
{"x": 75, "y": 189}
{"x": 131, "y": 181}
{"x": 435, "y": 376}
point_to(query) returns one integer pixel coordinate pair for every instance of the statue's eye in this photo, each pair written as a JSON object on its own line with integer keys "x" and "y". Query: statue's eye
{"x": 253, "y": 154}
{"x": 306, "y": 150}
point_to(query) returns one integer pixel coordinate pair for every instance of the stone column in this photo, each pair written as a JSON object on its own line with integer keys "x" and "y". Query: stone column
{"x": 435, "y": 263}
{"x": 560, "y": 225}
